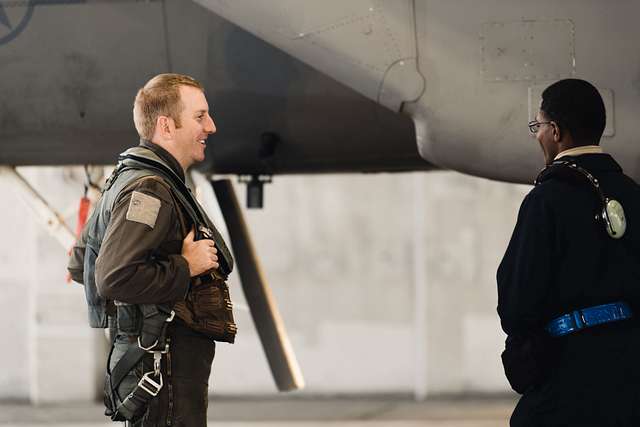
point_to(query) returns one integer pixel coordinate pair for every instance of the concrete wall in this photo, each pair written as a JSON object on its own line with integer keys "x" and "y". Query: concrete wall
{"x": 50, "y": 352}
{"x": 16, "y": 287}
{"x": 346, "y": 257}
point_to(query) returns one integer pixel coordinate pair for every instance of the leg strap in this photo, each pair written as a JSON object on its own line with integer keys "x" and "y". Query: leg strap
{"x": 153, "y": 339}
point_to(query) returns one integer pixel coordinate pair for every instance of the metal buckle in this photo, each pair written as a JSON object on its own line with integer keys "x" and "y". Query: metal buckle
{"x": 155, "y": 343}
{"x": 206, "y": 232}
{"x": 149, "y": 349}
{"x": 149, "y": 385}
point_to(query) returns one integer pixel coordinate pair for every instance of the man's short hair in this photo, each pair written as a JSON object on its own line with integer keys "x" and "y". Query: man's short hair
{"x": 577, "y": 107}
{"x": 160, "y": 97}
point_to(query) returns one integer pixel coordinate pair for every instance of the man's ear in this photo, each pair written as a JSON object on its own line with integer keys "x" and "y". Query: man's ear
{"x": 557, "y": 132}
{"x": 165, "y": 127}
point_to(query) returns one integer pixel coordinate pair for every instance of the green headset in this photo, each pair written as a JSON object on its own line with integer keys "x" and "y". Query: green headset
{"x": 611, "y": 212}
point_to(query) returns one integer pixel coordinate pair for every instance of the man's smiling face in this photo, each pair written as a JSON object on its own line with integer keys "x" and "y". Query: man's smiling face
{"x": 195, "y": 125}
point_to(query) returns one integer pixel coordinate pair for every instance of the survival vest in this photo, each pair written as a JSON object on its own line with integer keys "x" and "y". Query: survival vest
{"x": 134, "y": 164}
{"x": 149, "y": 321}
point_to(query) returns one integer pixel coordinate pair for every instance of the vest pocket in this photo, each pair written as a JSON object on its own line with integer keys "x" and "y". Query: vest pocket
{"x": 95, "y": 302}
{"x": 206, "y": 300}
{"x": 129, "y": 318}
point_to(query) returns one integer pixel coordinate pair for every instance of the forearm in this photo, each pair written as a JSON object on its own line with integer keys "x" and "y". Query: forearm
{"x": 148, "y": 282}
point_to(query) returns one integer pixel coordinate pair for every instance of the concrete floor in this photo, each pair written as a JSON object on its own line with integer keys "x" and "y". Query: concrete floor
{"x": 295, "y": 412}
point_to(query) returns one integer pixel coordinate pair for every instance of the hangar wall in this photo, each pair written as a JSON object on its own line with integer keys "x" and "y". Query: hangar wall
{"x": 340, "y": 254}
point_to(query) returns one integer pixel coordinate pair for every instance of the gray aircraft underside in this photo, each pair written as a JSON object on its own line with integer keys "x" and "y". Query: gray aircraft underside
{"x": 69, "y": 71}
{"x": 323, "y": 86}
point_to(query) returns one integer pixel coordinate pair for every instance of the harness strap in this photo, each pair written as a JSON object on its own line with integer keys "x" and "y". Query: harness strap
{"x": 152, "y": 339}
{"x": 187, "y": 199}
{"x": 135, "y": 404}
{"x": 126, "y": 364}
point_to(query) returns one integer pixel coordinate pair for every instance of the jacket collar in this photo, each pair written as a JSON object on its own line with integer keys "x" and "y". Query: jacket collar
{"x": 595, "y": 162}
{"x": 577, "y": 151}
{"x": 165, "y": 156}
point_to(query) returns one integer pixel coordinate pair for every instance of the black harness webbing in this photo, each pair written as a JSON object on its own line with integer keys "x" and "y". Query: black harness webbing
{"x": 153, "y": 339}
{"x": 125, "y": 365}
{"x": 187, "y": 199}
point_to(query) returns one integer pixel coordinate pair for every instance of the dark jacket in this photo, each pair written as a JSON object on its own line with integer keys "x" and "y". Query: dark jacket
{"x": 137, "y": 231}
{"x": 137, "y": 263}
{"x": 560, "y": 258}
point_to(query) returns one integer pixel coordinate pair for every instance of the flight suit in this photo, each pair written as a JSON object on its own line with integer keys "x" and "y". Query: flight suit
{"x": 560, "y": 259}
{"x": 140, "y": 262}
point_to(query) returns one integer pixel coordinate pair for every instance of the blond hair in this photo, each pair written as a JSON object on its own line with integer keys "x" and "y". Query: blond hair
{"x": 160, "y": 97}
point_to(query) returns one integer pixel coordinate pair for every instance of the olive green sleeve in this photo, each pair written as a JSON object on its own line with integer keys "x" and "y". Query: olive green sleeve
{"x": 129, "y": 267}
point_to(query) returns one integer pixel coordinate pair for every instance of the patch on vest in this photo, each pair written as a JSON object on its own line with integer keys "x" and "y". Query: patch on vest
{"x": 143, "y": 209}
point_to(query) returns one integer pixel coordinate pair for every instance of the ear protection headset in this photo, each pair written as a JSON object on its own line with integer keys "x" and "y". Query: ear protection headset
{"x": 611, "y": 212}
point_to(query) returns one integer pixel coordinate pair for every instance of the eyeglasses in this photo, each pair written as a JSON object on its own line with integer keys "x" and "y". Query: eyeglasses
{"x": 534, "y": 126}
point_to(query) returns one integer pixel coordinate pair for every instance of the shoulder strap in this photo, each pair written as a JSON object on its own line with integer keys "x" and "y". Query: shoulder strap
{"x": 188, "y": 201}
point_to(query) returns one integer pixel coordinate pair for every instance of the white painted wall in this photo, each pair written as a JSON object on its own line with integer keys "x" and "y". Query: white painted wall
{"x": 16, "y": 288}
{"x": 339, "y": 252}
{"x": 55, "y": 353}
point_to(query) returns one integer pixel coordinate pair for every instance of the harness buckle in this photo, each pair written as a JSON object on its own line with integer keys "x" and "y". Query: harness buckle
{"x": 155, "y": 343}
{"x": 148, "y": 349}
{"x": 150, "y": 386}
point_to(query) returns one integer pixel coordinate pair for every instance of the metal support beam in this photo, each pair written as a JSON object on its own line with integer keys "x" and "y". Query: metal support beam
{"x": 262, "y": 304}
{"x": 46, "y": 215}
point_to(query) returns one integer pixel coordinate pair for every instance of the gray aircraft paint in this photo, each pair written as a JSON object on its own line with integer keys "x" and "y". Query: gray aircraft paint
{"x": 464, "y": 75}
{"x": 75, "y": 69}
{"x": 464, "y": 70}
{"x": 12, "y": 29}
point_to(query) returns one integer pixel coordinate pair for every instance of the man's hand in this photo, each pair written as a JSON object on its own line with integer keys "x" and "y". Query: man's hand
{"x": 201, "y": 255}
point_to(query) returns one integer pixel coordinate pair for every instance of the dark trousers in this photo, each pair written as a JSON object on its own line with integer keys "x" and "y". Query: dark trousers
{"x": 183, "y": 400}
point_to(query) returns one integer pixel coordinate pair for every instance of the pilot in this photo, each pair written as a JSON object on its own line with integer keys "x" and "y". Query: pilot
{"x": 569, "y": 282}
{"x": 149, "y": 254}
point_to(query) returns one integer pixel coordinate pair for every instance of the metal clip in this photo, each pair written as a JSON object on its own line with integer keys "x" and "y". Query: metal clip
{"x": 157, "y": 357}
{"x": 155, "y": 343}
{"x": 149, "y": 385}
{"x": 150, "y": 348}
{"x": 206, "y": 232}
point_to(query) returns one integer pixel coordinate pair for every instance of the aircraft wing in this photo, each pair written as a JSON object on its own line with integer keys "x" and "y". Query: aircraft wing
{"x": 70, "y": 71}
{"x": 469, "y": 73}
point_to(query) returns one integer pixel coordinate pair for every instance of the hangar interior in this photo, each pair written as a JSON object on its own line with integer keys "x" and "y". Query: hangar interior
{"x": 385, "y": 282}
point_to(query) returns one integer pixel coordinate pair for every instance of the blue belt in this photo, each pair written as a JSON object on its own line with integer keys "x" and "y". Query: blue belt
{"x": 587, "y": 317}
